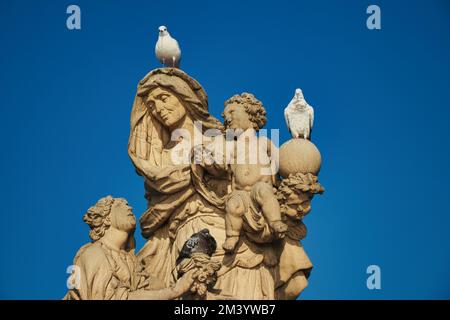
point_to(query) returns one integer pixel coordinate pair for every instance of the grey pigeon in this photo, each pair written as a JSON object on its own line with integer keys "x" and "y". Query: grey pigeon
{"x": 201, "y": 242}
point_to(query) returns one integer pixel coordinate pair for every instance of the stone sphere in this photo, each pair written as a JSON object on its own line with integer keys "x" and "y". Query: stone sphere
{"x": 299, "y": 155}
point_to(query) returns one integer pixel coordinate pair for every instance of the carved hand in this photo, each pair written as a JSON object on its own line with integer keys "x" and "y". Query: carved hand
{"x": 206, "y": 158}
{"x": 184, "y": 283}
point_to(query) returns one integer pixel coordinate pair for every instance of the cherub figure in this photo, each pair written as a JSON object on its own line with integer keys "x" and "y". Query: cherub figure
{"x": 251, "y": 175}
{"x": 295, "y": 194}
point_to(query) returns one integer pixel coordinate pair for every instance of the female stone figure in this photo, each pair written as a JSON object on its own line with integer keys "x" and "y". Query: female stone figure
{"x": 168, "y": 101}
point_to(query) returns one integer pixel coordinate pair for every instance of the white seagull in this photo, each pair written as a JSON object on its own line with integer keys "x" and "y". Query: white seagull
{"x": 167, "y": 49}
{"x": 299, "y": 116}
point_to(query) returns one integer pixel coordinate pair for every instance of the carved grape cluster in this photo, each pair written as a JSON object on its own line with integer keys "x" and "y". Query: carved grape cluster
{"x": 204, "y": 275}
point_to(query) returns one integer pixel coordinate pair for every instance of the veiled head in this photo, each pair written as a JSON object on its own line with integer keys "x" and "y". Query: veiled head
{"x": 175, "y": 94}
{"x": 167, "y": 99}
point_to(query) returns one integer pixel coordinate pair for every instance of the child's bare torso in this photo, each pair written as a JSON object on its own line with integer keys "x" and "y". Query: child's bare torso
{"x": 249, "y": 164}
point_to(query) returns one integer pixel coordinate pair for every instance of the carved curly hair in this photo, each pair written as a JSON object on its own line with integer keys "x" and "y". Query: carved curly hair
{"x": 98, "y": 217}
{"x": 299, "y": 182}
{"x": 254, "y": 108}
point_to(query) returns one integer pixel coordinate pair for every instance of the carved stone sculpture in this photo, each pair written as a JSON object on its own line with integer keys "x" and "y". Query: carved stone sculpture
{"x": 252, "y": 188}
{"x": 107, "y": 269}
{"x": 254, "y": 215}
{"x": 221, "y": 221}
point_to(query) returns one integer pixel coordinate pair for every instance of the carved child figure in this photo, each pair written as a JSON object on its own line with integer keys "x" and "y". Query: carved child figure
{"x": 295, "y": 194}
{"x": 250, "y": 169}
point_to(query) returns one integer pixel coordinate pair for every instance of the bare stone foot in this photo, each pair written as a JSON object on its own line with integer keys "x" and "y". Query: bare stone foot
{"x": 230, "y": 244}
{"x": 279, "y": 228}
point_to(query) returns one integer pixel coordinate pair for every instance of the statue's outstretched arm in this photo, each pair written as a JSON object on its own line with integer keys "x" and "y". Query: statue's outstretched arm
{"x": 181, "y": 287}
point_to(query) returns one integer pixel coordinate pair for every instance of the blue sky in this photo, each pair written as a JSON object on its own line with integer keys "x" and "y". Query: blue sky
{"x": 381, "y": 100}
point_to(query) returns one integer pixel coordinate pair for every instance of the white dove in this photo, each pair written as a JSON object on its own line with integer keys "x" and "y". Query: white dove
{"x": 167, "y": 49}
{"x": 299, "y": 116}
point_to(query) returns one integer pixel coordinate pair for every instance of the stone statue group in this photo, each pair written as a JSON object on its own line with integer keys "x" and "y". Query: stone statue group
{"x": 214, "y": 229}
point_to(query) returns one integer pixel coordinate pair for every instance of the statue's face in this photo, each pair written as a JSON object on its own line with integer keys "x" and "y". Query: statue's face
{"x": 298, "y": 204}
{"x": 236, "y": 117}
{"x": 166, "y": 107}
{"x": 122, "y": 217}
